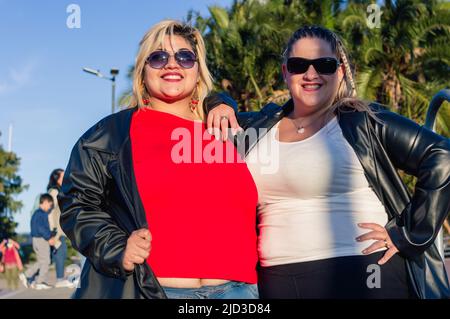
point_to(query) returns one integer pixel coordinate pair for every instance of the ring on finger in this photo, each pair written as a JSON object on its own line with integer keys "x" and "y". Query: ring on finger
{"x": 224, "y": 117}
{"x": 386, "y": 244}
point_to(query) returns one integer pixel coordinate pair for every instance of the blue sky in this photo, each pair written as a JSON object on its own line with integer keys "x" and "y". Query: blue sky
{"x": 43, "y": 92}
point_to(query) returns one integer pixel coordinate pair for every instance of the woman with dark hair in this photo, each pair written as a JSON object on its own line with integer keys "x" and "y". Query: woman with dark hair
{"x": 60, "y": 248}
{"x": 334, "y": 218}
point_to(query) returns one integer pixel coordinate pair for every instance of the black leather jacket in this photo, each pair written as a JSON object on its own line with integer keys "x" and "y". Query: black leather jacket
{"x": 101, "y": 207}
{"x": 383, "y": 147}
{"x": 100, "y": 204}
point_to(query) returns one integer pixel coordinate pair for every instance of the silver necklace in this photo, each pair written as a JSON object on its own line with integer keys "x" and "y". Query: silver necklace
{"x": 300, "y": 128}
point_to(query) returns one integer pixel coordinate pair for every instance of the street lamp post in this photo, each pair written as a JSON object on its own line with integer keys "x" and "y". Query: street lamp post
{"x": 113, "y": 72}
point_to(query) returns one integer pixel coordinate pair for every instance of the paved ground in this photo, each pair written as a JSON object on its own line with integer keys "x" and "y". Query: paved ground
{"x": 62, "y": 293}
{"x": 24, "y": 293}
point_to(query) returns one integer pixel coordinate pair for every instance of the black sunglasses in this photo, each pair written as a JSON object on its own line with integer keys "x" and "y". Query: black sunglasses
{"x": 321, "y": 65}
{"x": 159, "y": 59}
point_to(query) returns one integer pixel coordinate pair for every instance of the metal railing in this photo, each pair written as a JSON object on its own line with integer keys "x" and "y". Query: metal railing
{"x": 430, "y": 122}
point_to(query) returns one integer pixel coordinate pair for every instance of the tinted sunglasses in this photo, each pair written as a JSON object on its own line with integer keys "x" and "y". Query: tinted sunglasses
{"x": 159, "y": 59}
{"x": 321, "y": 65}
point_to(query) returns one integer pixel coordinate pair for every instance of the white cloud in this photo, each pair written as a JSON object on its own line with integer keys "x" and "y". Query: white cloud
{"x": 18, "y": 77}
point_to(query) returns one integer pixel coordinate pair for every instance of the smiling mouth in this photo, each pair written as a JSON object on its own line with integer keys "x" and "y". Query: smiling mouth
{"x": 311, "y": 87}
{"x": 172, "y": 77}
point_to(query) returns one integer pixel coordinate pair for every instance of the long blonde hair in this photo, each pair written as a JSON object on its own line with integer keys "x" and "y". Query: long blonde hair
{"x": 153, "y": 40}
{"x": 346, "y": 96}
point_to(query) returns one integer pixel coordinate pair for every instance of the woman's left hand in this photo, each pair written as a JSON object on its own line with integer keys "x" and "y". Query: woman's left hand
{"x": 380, "y": 234}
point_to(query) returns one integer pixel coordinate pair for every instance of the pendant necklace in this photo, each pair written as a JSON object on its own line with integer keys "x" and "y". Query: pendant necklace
{"x": 301, "y": 128}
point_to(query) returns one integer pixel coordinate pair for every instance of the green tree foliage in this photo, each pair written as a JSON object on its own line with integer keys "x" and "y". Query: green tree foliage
{"x": 10, "y": 186}
{"x": 402, "y": 64}
{"x": 244, "y": 47}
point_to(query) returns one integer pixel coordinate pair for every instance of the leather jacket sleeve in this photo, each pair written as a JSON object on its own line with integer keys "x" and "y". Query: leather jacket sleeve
{"x": 243, "y": 118}
{"x": 216, "y": 99}
{"x": 426, "y": 155}
{"x": 84, "y": 218}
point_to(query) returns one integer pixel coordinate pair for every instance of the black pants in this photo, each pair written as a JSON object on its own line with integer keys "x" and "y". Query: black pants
{"x": 353, "y": 277}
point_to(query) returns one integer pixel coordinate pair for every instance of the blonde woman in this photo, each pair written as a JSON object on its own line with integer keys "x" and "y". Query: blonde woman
{"x": 334, "y": 218}
{"x": 133, "y": 199}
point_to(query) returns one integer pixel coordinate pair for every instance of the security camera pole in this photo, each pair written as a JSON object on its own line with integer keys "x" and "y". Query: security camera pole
{"x": 113, "y": 72}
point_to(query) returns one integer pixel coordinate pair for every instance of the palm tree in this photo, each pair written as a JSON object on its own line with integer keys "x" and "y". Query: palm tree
{"x": 244, "y": 48}
{"x": 407, "y": 60}
{"x": 245, "y": 44}
{"x": 125, "y": 97}
{"x": 402, "y": 64}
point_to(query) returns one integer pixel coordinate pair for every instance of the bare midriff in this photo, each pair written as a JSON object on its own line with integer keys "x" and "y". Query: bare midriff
{"x": 190, "y": 282}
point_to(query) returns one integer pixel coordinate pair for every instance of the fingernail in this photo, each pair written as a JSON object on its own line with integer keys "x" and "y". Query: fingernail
{"x": 364, "y": 251}
{"x": 210, "y": 131}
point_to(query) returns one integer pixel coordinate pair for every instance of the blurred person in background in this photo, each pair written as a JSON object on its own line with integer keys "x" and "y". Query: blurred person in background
{"x": 42, "y": 240}
{"x": 447, "y": 226}
{"x": 60, "y": 248}
{"x": 11, "y": 261}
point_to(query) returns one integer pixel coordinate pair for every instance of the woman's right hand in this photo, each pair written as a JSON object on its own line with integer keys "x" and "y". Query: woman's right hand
{"x": 137, "y": 249}
{"x": 219, "y": 119}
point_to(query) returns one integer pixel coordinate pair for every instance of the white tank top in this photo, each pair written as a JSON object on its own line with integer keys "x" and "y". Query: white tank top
{"x": 311, "y": 196}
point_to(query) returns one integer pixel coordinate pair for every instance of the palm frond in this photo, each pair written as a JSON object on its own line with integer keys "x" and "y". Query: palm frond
{"x": 368, "y": 82}
{"x": 220, "y": 16}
